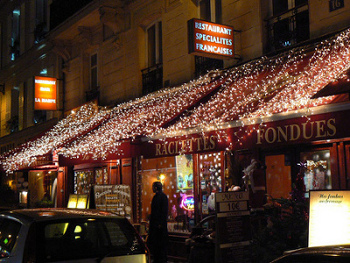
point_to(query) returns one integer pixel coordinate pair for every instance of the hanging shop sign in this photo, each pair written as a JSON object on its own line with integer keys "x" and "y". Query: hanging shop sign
{"x": 45, "y": 93}
{"x": 209, "y": 39}
{"x": 329, "y": 218}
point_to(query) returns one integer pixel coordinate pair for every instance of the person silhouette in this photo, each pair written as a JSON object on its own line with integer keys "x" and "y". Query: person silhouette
{"x": 158, "y": 231}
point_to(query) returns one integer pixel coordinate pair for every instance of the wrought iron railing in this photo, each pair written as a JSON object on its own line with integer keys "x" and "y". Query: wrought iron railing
{"x": 152, "y": 79}
{"x": 288, "y": 28}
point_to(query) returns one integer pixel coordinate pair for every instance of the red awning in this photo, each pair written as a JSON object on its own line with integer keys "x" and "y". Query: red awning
{"x": 139, "y": 118}
{"x": 39, "y": 150}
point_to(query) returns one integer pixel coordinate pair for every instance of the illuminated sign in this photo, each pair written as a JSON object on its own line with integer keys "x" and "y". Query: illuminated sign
{"x": 210, "y": 39}
{"x": 187, "y": 203}
{"x": 45, "y": 93}
{"x": 329, "y": 218}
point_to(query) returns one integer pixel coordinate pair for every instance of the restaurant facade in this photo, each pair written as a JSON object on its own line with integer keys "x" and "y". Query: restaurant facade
{"x": 256, "y": 127}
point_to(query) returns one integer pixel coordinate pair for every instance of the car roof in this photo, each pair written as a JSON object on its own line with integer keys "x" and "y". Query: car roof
{"x": 47, "y": 214}
{"x": 336, "y": 249}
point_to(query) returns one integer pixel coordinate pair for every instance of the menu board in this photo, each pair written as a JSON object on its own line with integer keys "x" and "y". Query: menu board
{"x": 233, "y": 227}
{"x": 114, "y": 198}
{"x": 329, "y": 218}
{"x": 78, "y": 201}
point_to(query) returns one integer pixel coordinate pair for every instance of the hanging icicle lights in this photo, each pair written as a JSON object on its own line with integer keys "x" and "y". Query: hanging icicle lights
{"x": 140, "y": 118}
{"x": 268, "y": 86}
{"x": 256, "y": 89}
{"x": 74, "y": 125}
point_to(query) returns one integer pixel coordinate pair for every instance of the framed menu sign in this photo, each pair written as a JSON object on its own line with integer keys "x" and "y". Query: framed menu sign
{"x": 329, "y": 218}
{"x": 114, "y": 198}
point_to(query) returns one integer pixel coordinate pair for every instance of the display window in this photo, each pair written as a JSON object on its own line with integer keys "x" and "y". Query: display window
{"x": 101, "y": 176}
{"x": 316, "y": 170}
{"x": 176, "y": 175}
{"x": 83, "y": 181}
{"x": 210, "y": 180}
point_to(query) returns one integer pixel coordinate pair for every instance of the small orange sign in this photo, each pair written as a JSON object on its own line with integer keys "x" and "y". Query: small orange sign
{"x": 45, "y": 93}
{"x": 211, "y": 39}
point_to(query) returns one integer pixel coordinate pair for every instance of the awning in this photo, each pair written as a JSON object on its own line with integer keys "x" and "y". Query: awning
{"x": 262, "y": 88}
{"x": 220, "y": 106}
{"x": 40, "y": 150}
{"x": 119, "y": 137}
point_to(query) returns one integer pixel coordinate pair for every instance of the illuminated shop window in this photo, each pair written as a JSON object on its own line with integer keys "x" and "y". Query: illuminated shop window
{"x": 83, "y": 181}
{"x": 210, "y": 179}
{"x": 316, "y": 170}
{"x": 176, "y": 175}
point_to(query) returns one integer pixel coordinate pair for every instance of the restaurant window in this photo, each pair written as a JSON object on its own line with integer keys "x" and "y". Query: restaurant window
{"x": 83, "y": 181}
{"x": 176, "y": 175}
{"x": 210, "y": 180}
{"x": 278, "y": 176}
{"x": 101, "y": 176}
{"x": 316, "y": 170}
{"x": 42, "y": 186}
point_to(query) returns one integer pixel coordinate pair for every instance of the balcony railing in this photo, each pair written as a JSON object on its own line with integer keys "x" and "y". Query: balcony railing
{"x": 288, "y": 28}
{"x": 152, "y": 79}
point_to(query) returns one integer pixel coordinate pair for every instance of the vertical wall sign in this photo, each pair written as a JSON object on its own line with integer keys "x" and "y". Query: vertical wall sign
{"x": 45, "y": 93}
{"x": 209, "y": 39}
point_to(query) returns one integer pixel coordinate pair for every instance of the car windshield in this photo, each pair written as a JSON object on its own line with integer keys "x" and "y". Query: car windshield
{"x": 91, "y": 238}
{"x": 8, "y": 235}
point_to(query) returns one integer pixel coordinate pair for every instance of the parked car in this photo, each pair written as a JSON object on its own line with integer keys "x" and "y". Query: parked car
{"x": 68, "y": 235}
{"x": 325, "y": 254}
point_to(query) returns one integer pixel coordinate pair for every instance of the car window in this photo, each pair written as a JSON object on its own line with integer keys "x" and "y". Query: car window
{"x": 9, "y": 230}
{"x": 79, "y": 239}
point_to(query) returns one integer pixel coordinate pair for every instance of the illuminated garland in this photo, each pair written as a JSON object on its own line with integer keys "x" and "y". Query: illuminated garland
{"x": 74, "y": 125}
{"x": 257, "y": 89}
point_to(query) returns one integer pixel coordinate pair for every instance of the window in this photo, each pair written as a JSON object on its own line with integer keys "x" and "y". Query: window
{"x": 154, "y": 44}
{"x": 9, "y": 230}
{"x": 93, "y": 72}
{"x": 15, "y": 33}
{"x": 81, "y": 239}
{"x": 210, "y": 10}
{"x": 41, "y": 20}
{"x": 316, "y": 170}
{"x": 289, "y": 24}
{"x": 152, "y": 76}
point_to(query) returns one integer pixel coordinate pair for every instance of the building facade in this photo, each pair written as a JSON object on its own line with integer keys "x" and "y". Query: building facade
{"x": 110, "y": 52}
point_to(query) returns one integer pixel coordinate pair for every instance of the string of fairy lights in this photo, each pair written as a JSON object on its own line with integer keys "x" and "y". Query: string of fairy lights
{"x": 258, "y": 89}
{"x": 74, "y": 125}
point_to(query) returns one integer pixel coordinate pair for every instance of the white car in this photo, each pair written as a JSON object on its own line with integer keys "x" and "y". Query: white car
{"x": 68, "y": 235}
